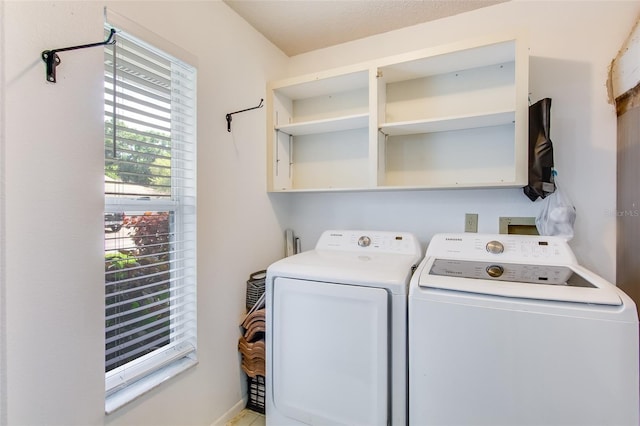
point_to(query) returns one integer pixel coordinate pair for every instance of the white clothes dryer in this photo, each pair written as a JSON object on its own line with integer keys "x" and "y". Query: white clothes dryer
{"x": 336, "y": 331}
{"x": 511, "y": 330}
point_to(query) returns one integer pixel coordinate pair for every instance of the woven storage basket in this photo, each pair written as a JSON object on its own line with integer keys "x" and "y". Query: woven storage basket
{"x": 256, "y": 389}
{"x": 255, "y": 287}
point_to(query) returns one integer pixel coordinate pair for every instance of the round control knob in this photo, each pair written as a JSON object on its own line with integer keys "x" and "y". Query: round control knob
{"x": 495, "y": 271}
{"x": 495, "y": 247}
{"x": 364, "y": 241}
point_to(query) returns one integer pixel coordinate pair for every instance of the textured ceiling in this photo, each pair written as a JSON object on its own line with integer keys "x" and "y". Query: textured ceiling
{"x": 299, "y": 26}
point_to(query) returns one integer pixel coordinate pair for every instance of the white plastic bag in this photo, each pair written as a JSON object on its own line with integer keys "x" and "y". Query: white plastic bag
{"x": 557, "y": 215}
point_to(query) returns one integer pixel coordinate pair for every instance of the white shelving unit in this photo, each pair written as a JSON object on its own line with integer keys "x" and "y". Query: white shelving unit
{"x": 446, "y": 117}
{"x": 448, "y": 124}
{"x": 328, "y": 125}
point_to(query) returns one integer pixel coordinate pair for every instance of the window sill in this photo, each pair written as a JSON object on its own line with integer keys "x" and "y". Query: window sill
{"x": 135, "y": 390}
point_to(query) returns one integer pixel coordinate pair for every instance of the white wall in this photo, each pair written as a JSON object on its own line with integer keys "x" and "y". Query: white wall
{"x": 53, "y": 243}
{"x": 571, "y": 46}
{"x": 3, "y": 322}
{"x": 53, "y": 212}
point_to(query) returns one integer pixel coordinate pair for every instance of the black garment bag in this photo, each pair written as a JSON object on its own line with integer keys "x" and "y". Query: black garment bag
{"x": 541, "y": 181}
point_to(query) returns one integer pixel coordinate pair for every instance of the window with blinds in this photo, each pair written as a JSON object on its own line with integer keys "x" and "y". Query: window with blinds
{"x": 150, "y": 212}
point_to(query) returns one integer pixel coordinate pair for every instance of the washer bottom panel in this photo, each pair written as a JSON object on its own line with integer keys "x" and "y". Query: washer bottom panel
{"x": 472, "y": 365}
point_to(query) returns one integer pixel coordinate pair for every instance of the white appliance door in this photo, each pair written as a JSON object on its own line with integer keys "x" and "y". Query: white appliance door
{"x": 330, "y": 353}
{"x": 509, "y": 365}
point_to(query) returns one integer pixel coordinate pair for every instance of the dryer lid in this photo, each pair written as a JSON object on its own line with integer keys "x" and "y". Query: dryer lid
{"x": 380, "y": 259}
{"x": 389, "y": 271}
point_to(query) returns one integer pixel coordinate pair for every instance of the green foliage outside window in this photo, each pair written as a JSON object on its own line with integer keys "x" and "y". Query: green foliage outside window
{"x": 139, "y": 291}
{"x": 140, "y": 158}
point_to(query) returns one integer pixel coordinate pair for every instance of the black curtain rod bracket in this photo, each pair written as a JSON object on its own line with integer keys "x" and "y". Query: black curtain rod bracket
{"x": 53, "y": 60}
{"x": 228, "y": 116}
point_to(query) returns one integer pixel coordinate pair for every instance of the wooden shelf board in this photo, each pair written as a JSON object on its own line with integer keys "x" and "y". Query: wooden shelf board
{"x": 358, "y": 121}
{"x": 448, "y": 123}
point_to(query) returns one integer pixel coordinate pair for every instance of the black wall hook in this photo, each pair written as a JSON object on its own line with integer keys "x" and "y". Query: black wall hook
{"x": 228, "y": 116}
{"x": 53, "y": 60}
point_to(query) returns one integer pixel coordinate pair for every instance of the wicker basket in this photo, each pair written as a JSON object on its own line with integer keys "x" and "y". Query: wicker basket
{"x": 256, "y": 385}
{"x": 256, "y": 390}
{"x": 255, "y": 287}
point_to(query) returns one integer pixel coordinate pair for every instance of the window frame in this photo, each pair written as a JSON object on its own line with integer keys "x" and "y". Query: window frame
{"x": 127, "y": 382}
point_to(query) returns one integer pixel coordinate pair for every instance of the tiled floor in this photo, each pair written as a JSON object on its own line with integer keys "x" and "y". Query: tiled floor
{"x": 247, "y": 418}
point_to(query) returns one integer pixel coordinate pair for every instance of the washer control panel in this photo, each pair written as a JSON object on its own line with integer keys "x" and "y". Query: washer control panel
{"x": 501, "y": 248}
{"x": 369, "y": 241}
{"x": 520, "y": 266}
{"x": 364, "y": 241}
{"x": 495, "y": 247}
{"x": 513, "y": 272}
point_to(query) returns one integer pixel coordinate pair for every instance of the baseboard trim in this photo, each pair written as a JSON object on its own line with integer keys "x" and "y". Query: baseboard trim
{"x": 230, "y": 414}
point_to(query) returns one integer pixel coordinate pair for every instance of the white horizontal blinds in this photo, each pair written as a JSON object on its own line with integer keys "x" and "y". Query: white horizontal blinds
{"x": 150, "y": 280}
{"x": 141, "y": 153}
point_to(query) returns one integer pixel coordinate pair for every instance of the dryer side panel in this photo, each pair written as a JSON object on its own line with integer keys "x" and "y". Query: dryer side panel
{"x": 330, "y": 353}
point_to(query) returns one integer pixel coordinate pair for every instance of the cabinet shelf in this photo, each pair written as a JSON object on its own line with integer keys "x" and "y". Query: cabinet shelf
{"x": 452, "y": 116}
{"x": 351, "y": 122}
{"x": 448, "y": 123}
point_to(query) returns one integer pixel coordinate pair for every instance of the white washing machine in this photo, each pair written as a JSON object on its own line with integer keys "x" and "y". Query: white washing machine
{"x": 510, "y": 330}
{"x": 336, "y": 331}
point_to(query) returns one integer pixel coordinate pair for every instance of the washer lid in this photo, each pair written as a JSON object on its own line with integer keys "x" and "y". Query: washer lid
{"x": 566, "y": 283}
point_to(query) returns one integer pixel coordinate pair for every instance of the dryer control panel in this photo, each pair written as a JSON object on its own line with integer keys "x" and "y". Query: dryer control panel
{"x": 369, "y": 241}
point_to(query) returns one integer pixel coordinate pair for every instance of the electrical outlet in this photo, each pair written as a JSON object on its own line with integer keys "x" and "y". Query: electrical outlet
{"x": 471, "y": 222}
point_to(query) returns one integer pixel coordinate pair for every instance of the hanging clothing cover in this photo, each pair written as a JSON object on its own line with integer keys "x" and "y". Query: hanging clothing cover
{"x": 540, "y": 151}
{"x": 557, "y": 215}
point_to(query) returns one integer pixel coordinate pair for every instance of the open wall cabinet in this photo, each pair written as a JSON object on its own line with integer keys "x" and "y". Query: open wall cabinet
{"x": 447, "y": 117}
